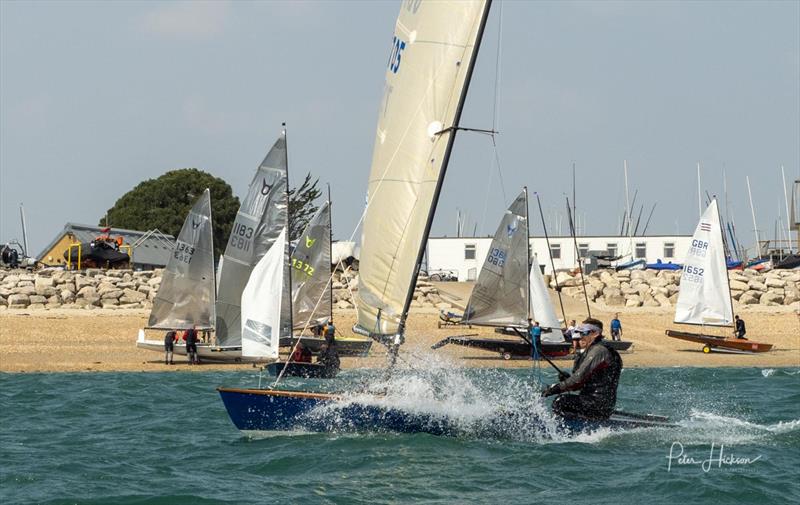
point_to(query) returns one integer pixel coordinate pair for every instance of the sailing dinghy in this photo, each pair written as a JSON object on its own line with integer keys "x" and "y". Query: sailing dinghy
{"x": 704, "y": 297}
{"x": 508, "y": 292}
{"x": 433, "y": 56}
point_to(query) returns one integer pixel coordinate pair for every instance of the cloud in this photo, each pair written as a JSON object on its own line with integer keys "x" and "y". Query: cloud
{"x": 193, "y": 19}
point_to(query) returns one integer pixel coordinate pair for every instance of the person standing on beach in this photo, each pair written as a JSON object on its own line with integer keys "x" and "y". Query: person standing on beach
{"x": 616, "y": 328}
{"x": 740, "y": 330}
{"x": 595, "y": 376}
{"x": 169, "y": 346}
{"x": 535, "y": 334}
{"x": 191, "y": 345}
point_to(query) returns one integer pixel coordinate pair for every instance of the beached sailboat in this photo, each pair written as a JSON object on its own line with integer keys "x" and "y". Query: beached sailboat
{"x": 432, "y": 59}
{"x": 704, "y": 297}
{"x": 186, "y": 296}
{"x": 508, "y": 292}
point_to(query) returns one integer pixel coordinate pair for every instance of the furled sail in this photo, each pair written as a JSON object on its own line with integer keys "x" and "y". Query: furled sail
{"x": 542, "y": 309}
{"x": 704, "y": 293}
{"x": 500, "y": 295}
{"x": 186, "y": 295}
{"x": 430, "y": 63}
{"x": 261, "y": 217}
{"x": 311, "y": 271}
{"x": 262, "y": 303}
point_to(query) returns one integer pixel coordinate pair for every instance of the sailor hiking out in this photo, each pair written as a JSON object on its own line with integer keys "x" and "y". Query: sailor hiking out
{"x": 595, "y": 376}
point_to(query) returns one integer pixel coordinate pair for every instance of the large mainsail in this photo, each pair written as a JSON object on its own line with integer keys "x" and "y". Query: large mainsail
{"x": 430, "y": 64}
{"x": 262, "y": 306}
{"x": 704, "y": 293}
{"x": 311, "y": 271}
{"x": 186, "y": 295}
{"x": 542, "y": 309}
{"x": 261, "y": 217}
{"x": 500, "y": 296}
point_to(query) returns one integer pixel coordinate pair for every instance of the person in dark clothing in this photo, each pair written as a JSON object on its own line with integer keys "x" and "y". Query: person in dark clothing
{"x": 191, "y": 345}
{"x": 616, "y": 328}
{"x": 595, "y": 376}
{"x": 328, "y": 355}
{"x": 301, "y": 354}
{"x": 740, "y": 330}
{"x": 169, "y": 346}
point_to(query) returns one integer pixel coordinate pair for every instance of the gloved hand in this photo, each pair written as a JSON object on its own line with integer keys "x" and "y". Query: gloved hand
{"x": 562, "y": 376}
{"x": 551, "y": 390}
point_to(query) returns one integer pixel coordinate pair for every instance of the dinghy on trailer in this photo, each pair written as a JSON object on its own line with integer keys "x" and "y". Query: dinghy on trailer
{"x": 704, "y": 297}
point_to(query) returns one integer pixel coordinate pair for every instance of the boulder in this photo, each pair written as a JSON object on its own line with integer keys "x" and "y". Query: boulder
{"x": 132, "y": 296}
{"x": 774, "y": 282}
{"x": 770, "y": 298}
{"x": 662, "y": 300}
{"x": 110, "y": 295}
{"x": 18, "y": 301}
{"x": 67, "y": 296}
{"x": 736, "y": 294}
{"x": 155, "y": 281}
{"x": 36, "y": 306}
{"x": 755, "y": 285}
{"x": 11, "y": 280}
{"x": 24, "y": 290}
{"x": 739, "y": 285}
{"x": 109, "y": 304}
{"x": 87, "y": 292}
{"x": 82, "y": 281}
{"x": 342, "y": 304}
{"x": 43, "y": 283}
{"x": 633, "y": 301}
{"x": 733, "y": 275}
{"x": 749, "y": 297}
{"x": 613, "y": 297}
{"x": 38, "y": 299}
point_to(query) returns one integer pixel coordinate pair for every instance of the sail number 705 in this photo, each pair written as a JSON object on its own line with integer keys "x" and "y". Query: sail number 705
{"x": 394, "y": 57}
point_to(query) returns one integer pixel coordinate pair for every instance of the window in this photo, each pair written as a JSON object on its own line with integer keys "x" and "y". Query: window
{"x": 641, "y": 249}
{"x": 469, "y": 251}
{"x": 583, "y": 250}
{"x": 611, "y": 249}
{"x": 669, "y": 249}
{"x": 555, "y": 251}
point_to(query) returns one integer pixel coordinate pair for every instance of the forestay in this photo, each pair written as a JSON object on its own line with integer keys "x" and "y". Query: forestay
{"x": 704, "y": 295}
{"x": 262, "y": 304}
{"x": 311, "y": 271}
{"x": 542, "y": 309}
{"x": 261, "y": 217}
{"x": 186, "y": 295}
{"x": 500, "y": 295}
{"x": 429, "y": 65}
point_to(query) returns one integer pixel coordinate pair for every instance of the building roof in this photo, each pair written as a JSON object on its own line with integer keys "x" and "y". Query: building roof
{"x": 153, "y": 250}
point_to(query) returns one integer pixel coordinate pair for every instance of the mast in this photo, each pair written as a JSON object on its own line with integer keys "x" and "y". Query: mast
{"x": 727, "y": 278}
{"x": 25, "y": 231}
{"x": 287, "y": 258}
{"x": 699, "y": 193}
{"x": 753, "y": 212}
{"x": 786, "y": 202}
{"x": 437, "y": 191}
{"x": 627, "y": 206}
{"x": 330, "y": 247}
{"x": 580, "y": 263}
{"x": 528, "y": 253}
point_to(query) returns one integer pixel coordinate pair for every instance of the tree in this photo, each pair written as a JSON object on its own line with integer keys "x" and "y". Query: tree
{"x": 165, "y": 202}
{"x": 301, "y": 206}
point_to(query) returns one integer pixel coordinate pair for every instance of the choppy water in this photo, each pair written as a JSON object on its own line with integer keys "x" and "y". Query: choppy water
{"x": 147, "y": 438}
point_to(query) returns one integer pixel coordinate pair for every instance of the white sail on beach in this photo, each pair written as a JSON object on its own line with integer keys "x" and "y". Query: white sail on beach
{"x": 429, "y": 66}
{"x": 311, "y": 271}
{"x": 261, "y": 303}
{"x": 542, "y": 309}
{"x": 704, "y": 292}
{"x": 186, "y": 295}
{"x": 261, "y": 217}
{"x": 500, "y": 295}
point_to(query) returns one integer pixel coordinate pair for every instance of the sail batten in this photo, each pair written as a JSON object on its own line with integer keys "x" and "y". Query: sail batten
{"x": 186, "y": 295}
{"x": 704, "y": 293}
{"x": 260, "y": 220}
{"x": 431, "y": 60}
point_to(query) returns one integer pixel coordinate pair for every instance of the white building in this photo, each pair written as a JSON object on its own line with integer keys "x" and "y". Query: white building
{"x": 465, "y": 255}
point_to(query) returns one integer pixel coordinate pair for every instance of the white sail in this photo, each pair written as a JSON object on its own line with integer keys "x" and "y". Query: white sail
{"x": 186, "y": 295}
{"x": 429, "y": 66}
{"x": 704, "y": 296}
{"x": 542, "y": 309}
{"x": 261, "y": 303}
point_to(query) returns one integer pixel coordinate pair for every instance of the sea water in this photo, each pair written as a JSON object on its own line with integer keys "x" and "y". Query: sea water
{"x": 150, "y": 438}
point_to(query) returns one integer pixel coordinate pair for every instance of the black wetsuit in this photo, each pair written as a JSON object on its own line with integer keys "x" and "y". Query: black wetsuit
{"x": 191, "y": 341}
{"x": 328, "y": 355}
{"x": 741, "y": 331}
{"x": 596, "y": 376}
{"x": 169, "y": 341}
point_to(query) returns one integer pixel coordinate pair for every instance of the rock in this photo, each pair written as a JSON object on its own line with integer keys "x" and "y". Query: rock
{"x": 110, "y": 295}
{"x": 733, "y": 275}
{"x": 632, "y": 291}
{"x": 43, "y": 283}
{"x": 658, "y": 282}
{"x": 774, "y": 282}
{"x": 749, "y": 297}
{"x": 11, "y": 280}
{"x": 344, "y": 304}
{"x": 155, "y": 281}
{"x": 790, "y": 297}
{"x": 87, "y": 292}
{"x": 82, "y": 281}
{"x": 67, "y": 296}
{"x": 564, "y": 279}
{"x": 755, "y": 285}
{"x": 38, "y": 299}
{"x": 416, "y": 304}
{"x": 133, "y": 296}
{"x": 36, "y": 306}
{"x": 649, "y": 301}
{"x": 24, "y": 290}
{"x": 770, "y": 298}
{"x": 739, "y": 285}
{"x": 633, "y": 301}
{"x": 5, "y": 292}
{"x": 110, "y": 303}
{"x": 613, "y": 297}
{"x": 126, "y": 285}
{"x": 104, "y": 287}
{"x": 662, "y": 300}
{"x": 736, "y": 294}
{"x": 18, "y": 301}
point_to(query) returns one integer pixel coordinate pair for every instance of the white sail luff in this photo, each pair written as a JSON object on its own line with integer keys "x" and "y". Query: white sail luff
{"x": 704, "y": 293}
{"x": 261, "y": 303}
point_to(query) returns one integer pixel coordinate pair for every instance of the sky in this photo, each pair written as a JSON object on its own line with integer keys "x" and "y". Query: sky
{"x": 97, "y": 96}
